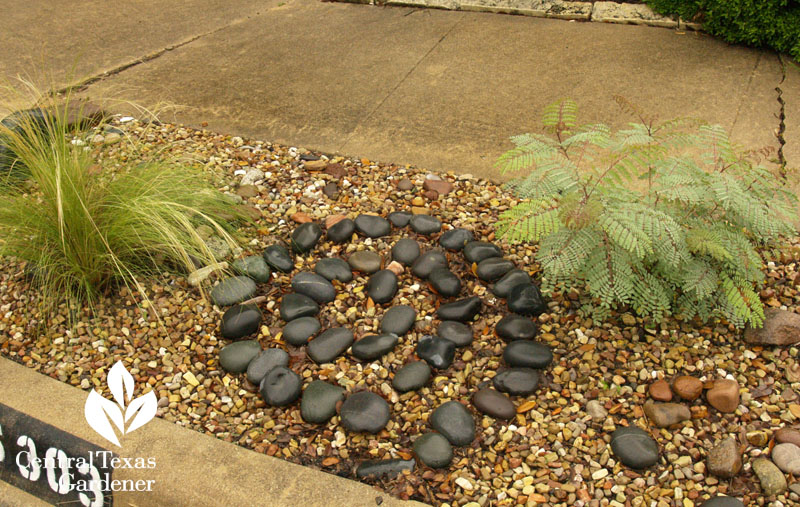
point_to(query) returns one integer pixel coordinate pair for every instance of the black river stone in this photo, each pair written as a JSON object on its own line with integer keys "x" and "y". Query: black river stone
{"x": 233, "y": 290}
{"x": 494, "y": 403}
{"x": 517, "y": 381}
{"x": 278, "y": 257}
{"x": 527, "y": 354}
{"x": 281, "y": 386}
{"x": 462, "y": 310}
{"x": 437, "y": 351}
{"x": 306, "y": 236}
{"x": 405, "y": 251}
{"x": 425, "y": 224}
{"x": 319, "y": 401}
{"x": 457, "y": 332}
{"x": 455, "y": 239}
{"x": 239, "y": 321}
{"x": 235, "y": 358}
{"x": 373, "y": 226}
{"x": 254, "y": 267}
{"x": 330, "y": 344}
{"x": 515, "y": 327}
{"x": 434, "y": 450}
{"x": 400, "y": 218}
{"x": 264, "y": 363}
{"x": 515, "y": 277}
{"x": 427, "y": 262}
{"x": 382, "y": 286}
{"x": 341, "y": 231}
{"x": 493, "y": 268}
{"x": 334, "y": 268}
{"x": 374, "y": 346}
{"x": 384, "y": 468}
{"x": 453, "y": 420}
{"x": 412, "y": 376}
{"x": 445, "y": 282}
{"x": 476, "y": 251}
{"x": 314, "y": 286}
{"x": 299, "y": 331}
{"x": 526, "y": 300}
{"x": 364, "y": 411}
{"x": 634, "y": 447}
{"x": 398, "y": 319}
{"x": 365, "y": 261}
{"x": 294, "y": 306}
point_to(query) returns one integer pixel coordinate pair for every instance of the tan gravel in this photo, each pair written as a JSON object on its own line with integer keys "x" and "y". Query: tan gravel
{"x": 554, "y": 453}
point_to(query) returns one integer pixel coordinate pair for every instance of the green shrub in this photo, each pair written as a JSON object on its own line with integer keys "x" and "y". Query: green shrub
{"x": 667, "y": 218}
{"x": 760, "y": 23}
{"x": 80, "y": 230}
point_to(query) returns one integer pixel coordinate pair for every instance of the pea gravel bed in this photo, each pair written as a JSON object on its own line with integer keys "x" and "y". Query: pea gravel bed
{"x": 555, "y": 451}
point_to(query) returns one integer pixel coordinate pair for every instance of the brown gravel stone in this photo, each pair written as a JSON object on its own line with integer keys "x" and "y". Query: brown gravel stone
{"x": 660, "y": 390}
{"x": 439, "y": 186}
{"x": 301, "y": 218}
{"x": 725, "y": 460}
{"x": 787, "y": 436}
{"x": 781, "y": 327}
{"x": 687, "y": 387}
{"x": 664, "y": 415}
{"x": 332, "y": 220}
{"x": 724, "y": 396}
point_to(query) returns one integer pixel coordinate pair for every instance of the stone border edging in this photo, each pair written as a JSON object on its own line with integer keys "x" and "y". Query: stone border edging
{"x": 600, "y": 11}
{"x": 191, "y": 468}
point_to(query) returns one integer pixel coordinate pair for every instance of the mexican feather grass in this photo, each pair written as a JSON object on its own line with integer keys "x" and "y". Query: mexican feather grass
{"x": 84, "y": 232}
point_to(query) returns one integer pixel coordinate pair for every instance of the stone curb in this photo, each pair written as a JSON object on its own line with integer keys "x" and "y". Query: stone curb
{"x": 603, "y": 12}
{"x": 191, "y": 468}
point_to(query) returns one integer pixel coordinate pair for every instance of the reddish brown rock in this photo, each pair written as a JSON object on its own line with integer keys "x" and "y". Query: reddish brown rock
{"x": 687, "y": 387}
{"x": 336, "y": 170}
{"x": 431, "y": 195}
{"x": 301, "y": 218}
{"x": 724, "y": 395}
{"x": 333, "y": 220}
{"x": 395, "y": 267}
{"x": 787, "y": 436}
{"x": 781, "y": 327}
{"x": 664, "y": 415}
{"x": 725, "y": 460}
{"x": 660, "y": 391}
{"x": 440, "y": 186}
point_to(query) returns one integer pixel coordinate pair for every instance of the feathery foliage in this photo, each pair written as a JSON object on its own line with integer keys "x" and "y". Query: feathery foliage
{"x": 81, "y": 231}
{"x": 668, "y": 218}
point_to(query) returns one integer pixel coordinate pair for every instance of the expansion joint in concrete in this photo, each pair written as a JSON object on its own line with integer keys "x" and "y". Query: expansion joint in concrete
{"x": 779, "y": 133}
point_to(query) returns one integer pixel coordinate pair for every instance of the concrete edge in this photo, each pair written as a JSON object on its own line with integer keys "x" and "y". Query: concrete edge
{"x": 191, "y": 468}
{"x": 656, "y": 21}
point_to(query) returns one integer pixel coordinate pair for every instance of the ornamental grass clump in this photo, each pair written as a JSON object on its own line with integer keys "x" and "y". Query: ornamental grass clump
{"x": 668, "y": 218}
{"x": 84, "y": 228}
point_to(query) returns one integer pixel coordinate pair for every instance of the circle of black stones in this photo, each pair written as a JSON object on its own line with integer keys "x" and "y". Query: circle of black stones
{"x": 451, "y": 420}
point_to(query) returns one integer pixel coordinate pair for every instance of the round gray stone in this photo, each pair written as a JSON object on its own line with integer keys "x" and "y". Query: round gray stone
{"x": 281, "y": 386}
{"x": 382, "y": 286}
{"x": 233, "y": 290}
{"x": 264, "y": 363}
{"x": 527, "y": 354}
{"x": 235, "y": 358}
{"x": 364, "y": 261}
{"x": 455, "y": 239}
{"x": 314, "y": 286}
{"x": 334, "y": 268}
{"x": 454, "y": 421}
{"x": 374, "y": 346}
{"x": 239, "y": 321}
{"x": 434, "y": 450}
{"x": 299, "y": 331}
{"x": 412, "y": 376}
{"x": 254, "y": 267}
{"x": 457, "y": 332}
{"x": 364, "y": 411}
{"x": 634, "y": 447}
{"x": 330, "y": 344}
{"x": 405, "y": 251}
{"x": 319, "y": 401}
{"x": 517, "y": 381}
{"x": 425, "y": 224}
{"x": 294, "y": 306}
{"x": 373, "y": 226}
{"x": 398, "y": 319}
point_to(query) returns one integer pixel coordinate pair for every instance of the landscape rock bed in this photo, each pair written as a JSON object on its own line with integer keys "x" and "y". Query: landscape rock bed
{"x": 555, "y": 449}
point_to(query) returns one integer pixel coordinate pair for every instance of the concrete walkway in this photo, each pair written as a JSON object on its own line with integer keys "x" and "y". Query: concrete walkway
{"x": 438, "y": 89}
{"x": 190, "y": 468}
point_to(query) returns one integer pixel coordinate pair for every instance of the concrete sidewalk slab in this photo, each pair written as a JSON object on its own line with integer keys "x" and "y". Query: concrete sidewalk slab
{"x": 191, "y": 468}
{"x": 443, "y": 89}
{"x": 58, "y": 40}
{"x": 305, "y": 73}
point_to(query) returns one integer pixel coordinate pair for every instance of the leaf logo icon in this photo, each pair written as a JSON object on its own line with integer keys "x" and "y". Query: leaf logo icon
{"x": 104, "y": 415}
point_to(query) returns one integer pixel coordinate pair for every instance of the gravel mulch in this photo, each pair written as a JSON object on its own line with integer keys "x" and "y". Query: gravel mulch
{"x": 553, "y": 453}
